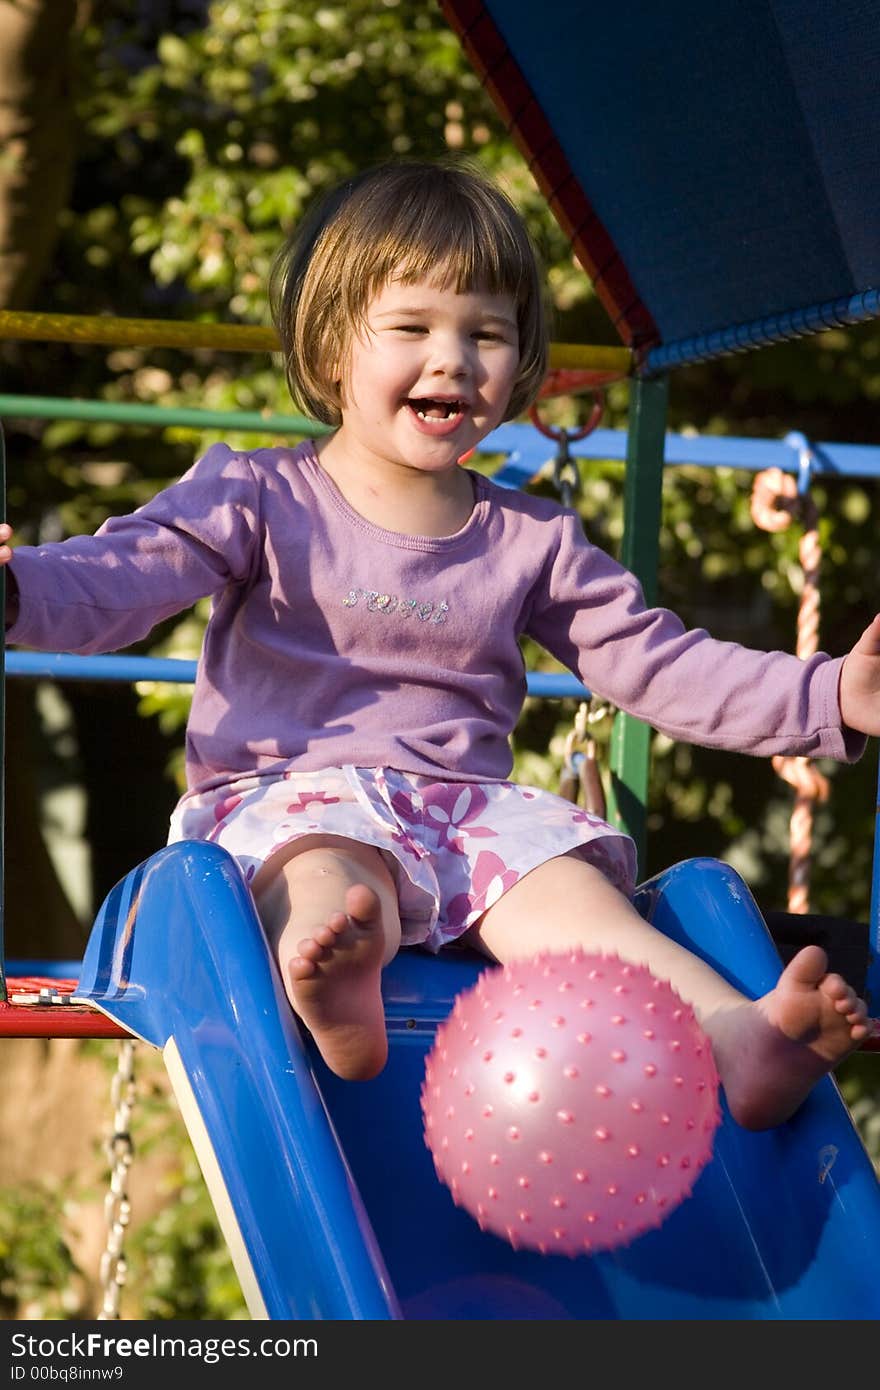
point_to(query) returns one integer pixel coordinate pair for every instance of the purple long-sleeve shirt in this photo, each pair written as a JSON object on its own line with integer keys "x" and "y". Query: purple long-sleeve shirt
{"x": 332, "y": 641}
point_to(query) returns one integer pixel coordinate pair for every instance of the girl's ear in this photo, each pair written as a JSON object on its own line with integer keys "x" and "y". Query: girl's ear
{"x": 337, "y": 375}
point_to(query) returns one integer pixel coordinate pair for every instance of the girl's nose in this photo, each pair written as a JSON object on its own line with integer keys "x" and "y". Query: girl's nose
{"x": 450, "y": 355}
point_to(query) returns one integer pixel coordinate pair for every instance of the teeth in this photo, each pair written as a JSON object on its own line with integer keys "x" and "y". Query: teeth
{"x": 450, "y": 408}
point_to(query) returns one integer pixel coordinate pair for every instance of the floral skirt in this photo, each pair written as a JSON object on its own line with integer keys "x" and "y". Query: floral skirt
{"x": 453, "y": 848}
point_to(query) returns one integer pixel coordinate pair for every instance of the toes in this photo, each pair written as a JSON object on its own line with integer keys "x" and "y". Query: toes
{"x": 311, "y": 949}
{"x": 301, "y": 969}
{"x": 835, "y": 987}
{"x": 329, "y": 934}
{"x": 808, "y": 967}
{"x": 847, "y": 1003}
{"x": 361, "y": 903}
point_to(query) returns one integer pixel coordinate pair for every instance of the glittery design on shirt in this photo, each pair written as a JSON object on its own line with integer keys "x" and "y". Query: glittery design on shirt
{"x": 376, "y": 602}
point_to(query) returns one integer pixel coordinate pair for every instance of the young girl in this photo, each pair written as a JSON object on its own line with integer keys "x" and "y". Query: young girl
{"x": 361, "y": 673}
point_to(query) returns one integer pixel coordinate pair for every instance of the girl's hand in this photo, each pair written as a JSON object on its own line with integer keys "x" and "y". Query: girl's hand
{"x": 5, "y": 547}
{"x": 860, "y": 683}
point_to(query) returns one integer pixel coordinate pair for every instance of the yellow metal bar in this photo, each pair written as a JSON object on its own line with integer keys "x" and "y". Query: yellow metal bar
{"x": 229, "y": 337}
{"x": 82, "y": 328}
{"x": 575, "y": 356}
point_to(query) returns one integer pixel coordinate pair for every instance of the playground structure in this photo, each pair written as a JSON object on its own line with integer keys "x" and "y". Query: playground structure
{"x": 341, "y": 1250}
{"x": 319, "y": 1223}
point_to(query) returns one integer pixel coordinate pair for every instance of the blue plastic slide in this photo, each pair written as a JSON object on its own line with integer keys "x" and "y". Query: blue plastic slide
{"x": 326, "y": 1192}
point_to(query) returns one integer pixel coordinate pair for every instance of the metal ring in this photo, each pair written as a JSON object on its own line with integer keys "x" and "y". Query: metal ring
{"x": 560, "y": 433}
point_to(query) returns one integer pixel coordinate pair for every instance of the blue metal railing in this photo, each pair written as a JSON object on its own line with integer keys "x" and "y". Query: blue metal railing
{"x": 64, "y": 666}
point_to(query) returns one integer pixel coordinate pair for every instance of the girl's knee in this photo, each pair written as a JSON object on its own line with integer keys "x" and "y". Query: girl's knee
{"x": 323, "y": 857}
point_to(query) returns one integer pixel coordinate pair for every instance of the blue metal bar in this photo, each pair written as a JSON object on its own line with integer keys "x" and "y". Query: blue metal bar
{"x": 49, "y": 969}
{"x": 834, "y": 313}
{"x": 753, "y": 455}
{"x": 556, "y": 687}
{"x": 712, "y": 451}
{"x": 64, "y": 666}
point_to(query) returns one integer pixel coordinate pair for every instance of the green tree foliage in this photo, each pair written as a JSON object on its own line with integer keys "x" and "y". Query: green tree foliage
{"x": 203, "y": 130}
{"x": 38, "y": 1276}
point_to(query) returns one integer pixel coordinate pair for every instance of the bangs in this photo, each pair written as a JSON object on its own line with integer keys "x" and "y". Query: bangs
{"x": 458, "y": 241}
{"x": 461, "y": 257}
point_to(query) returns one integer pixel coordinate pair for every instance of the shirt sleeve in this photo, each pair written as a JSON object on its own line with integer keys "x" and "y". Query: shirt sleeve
{"x": 590, "y": 613}
{"x": 100, "y": 593}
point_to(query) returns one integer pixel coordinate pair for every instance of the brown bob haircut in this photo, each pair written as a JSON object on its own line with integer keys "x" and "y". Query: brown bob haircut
{"x": 409, "y": 220}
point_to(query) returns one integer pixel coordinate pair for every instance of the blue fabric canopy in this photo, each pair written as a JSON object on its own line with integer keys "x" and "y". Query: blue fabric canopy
{"x": 716, "y": 165}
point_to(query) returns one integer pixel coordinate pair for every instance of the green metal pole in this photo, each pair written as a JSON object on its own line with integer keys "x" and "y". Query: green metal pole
{"x": 640, "y": 552}
{"x": 3, "y": 994}
{"x": 133, "y": 413}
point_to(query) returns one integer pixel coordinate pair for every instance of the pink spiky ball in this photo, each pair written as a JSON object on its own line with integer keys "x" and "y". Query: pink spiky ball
{"x": 570, "y": 1102}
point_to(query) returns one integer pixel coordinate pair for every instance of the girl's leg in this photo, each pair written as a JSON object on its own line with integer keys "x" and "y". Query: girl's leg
{"x": 329, "y": 910}
{"x": 769, "y": 1052}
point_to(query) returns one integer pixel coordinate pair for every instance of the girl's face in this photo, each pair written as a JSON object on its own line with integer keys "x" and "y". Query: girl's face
{"x": 431, "y": 375}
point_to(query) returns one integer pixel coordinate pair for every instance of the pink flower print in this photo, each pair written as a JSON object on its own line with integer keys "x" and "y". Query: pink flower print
{"x": 491, "y": 879}
{"x": 563, "y": 812}
{"x": 408, "y": 845}
{"x": 407, "y": 811}
{"x": 404, "y": 807}
{"x": 458, "y": 913}
{"x": 451, "y": 810}
{"x": 224, "y": 807}
{"x": 310, "y": 803}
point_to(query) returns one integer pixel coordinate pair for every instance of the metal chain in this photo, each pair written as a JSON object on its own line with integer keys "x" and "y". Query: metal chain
{"x": 566, "y": 477}
{"x": 117, "y": 1207}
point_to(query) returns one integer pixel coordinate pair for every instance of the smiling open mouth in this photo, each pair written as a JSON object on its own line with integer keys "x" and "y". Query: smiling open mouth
{"x": 428, "y": 409}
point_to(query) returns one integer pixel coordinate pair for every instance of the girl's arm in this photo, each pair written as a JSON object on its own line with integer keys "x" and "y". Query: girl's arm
{"x": 590, "y": 613}
{"x": 100, "y": 593}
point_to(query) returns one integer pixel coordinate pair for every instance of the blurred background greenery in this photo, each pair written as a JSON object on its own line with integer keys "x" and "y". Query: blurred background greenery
{"x": 164, "y": 149}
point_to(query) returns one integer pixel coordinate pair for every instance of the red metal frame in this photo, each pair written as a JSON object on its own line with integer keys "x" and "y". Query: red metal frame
{"x": 488, "y": 54}
{"x": 52, "y": 1020}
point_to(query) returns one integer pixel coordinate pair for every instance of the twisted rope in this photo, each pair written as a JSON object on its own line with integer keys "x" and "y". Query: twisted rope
{"x": 776, "y": 501}
{"x": 117, "y": 1207}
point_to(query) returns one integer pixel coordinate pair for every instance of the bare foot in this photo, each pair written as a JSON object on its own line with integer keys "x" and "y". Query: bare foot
{"x": 770, "y": 1053}
{"x": 334, "y": 983}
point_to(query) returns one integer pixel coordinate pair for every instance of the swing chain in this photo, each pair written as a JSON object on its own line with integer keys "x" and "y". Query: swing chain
{"x": 117, "y": 1207}
{"x": 566, "y": 477}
